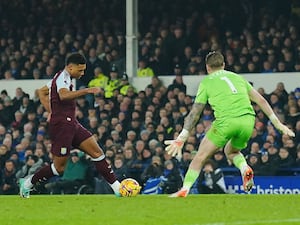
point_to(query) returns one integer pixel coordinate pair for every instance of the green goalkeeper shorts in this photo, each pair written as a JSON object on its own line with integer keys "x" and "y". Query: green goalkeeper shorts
{"x": 238, "y": 130}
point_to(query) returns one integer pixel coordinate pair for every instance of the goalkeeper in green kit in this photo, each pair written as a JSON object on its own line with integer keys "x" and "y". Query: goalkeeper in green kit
{"x": 230, "y": 97}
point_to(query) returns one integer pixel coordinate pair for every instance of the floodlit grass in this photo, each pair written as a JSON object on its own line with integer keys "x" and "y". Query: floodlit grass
{"x": 158, "y": 209}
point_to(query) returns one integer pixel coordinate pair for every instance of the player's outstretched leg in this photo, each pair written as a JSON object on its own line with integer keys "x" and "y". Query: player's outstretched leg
{"x": 26, "y": 184}
{"x": 247, "y": 173}
{"x": 106, "y": 171}
{"x": 248, "y": 179}
{"x": 189, "y": 179}
{"x": 24, "y": 188}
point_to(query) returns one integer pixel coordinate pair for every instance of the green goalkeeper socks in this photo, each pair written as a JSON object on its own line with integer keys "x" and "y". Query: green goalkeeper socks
{"x": 189, "y": 179}
{"x": 240, "y": 162}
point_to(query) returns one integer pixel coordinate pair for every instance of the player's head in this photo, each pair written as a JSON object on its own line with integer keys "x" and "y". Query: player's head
{"x": 76, "y": 64}
{"x": 214, "y": 61}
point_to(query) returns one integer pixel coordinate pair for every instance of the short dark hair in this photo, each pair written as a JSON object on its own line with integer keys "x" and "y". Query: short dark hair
{"x": 75, "y": 58}
{"x": 212, "y": 163}
{"x": 214, "y": 59}
{"x": 4, "y": 92}
{"x": 12, "y": 161}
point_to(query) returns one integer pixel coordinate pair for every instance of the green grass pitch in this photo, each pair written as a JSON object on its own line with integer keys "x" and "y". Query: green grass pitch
{"x": 152, "y": 210}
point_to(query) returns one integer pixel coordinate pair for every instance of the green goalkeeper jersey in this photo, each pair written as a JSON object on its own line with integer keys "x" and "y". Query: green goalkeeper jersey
{"x": 227, "y": 93}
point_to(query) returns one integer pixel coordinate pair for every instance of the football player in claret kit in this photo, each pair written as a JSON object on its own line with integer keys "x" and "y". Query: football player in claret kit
{"x": 65, "y": 131}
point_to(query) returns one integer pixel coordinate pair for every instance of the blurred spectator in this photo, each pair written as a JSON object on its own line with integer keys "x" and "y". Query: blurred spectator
{"x": 36, "y": 74}
{"x": 266, "y": 168}
{"x": 126, "y": 88}
{"x": 281, "y": 93}
{"x": 157, "y": 61}
{"x": 285, "y": 161}
{"x": 116, "y": 137}
{"x": 99, "y": 80}
{"x": 120, "y": 168}
{"x": 150, "y": 127}
{"x": 26, "y": 105}
{"x": 8, "y": 180}
{"x": 74, "y": 175}
{"x": 178, "y": 81}
{"x": 252, "y": 67}
{"x": 32, "y": 164}
{"x": 14, "y": 69}
{"x": 41, "y": 153}
{"x": 297, "y": 161}
{"x": 151, "y": 177}
{"x": 92, "y": 63}
{"x": 291, "y": 147}
{"x": 17, "y": 100}
{"x": 192, "y": 69}
{"x": 211, "y": 179}
{"x": 143, "y": 69}
{"x": 4, "y": 155}
{"x": 7, "y": 111}
{"x": 185, "y": 161}
{"x": 297, "y": 93}
{"x": 8, "y": 75}
{"x": 144, "y": 136}
{"x": 253, "y": 160}
{"x": 113, "y": 82}
{"x": 49, "y": 73}
{"x": 220, "y": 159}
{"x": 273, "y": 155}
{"x": 267, "y": 67}
{"x": 297, "y": 131}
{"x": 172, "y": 179}
{"x": 255, "y": 148}
{"x": 293, "y": 115}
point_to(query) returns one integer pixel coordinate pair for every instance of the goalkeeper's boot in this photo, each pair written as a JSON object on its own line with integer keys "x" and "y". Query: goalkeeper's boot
{"x": 24, "y": 192}
{"x": 183, "y": 192}
{"x": 248, "y": 180}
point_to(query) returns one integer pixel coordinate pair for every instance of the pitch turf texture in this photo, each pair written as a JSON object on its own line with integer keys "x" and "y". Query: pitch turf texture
{"x": 152, "y": 210}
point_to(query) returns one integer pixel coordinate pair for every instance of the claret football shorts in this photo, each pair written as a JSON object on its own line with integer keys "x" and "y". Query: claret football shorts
{"x": 66, "y": 136}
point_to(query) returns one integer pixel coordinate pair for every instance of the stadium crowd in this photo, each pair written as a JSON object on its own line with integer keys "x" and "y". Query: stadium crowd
{"x": 131, "y": 128}
{"x": 131, "y": 125}
{"x": 256, "y": 36}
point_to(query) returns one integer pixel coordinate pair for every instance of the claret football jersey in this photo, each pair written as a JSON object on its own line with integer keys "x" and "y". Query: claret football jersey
{"x": 61, "y": 110}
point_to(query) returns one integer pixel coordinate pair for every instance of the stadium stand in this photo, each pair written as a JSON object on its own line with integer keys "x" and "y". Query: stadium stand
{"x": 262, "y": 39}
{"x": 175, "y": 34}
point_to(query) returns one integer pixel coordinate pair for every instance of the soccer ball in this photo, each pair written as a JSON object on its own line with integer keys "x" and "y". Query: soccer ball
{"x": 129, "y": 188}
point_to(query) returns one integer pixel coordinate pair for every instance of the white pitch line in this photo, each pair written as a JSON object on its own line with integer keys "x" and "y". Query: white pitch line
{"x": 292, "y": 220}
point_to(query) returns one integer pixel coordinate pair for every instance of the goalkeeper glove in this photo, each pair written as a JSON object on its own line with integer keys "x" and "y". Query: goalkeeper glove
{"x": 175, "y": 146}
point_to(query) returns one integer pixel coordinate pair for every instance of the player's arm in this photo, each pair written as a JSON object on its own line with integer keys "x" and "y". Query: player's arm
{"x": 174, "y": 146}
{"x": 43, "y": 94}
{"x": 65, "y": 94}
{"x": 266, "y": 108}
{"x": 261, "y": 101}
{"x": 192, "y": 118}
